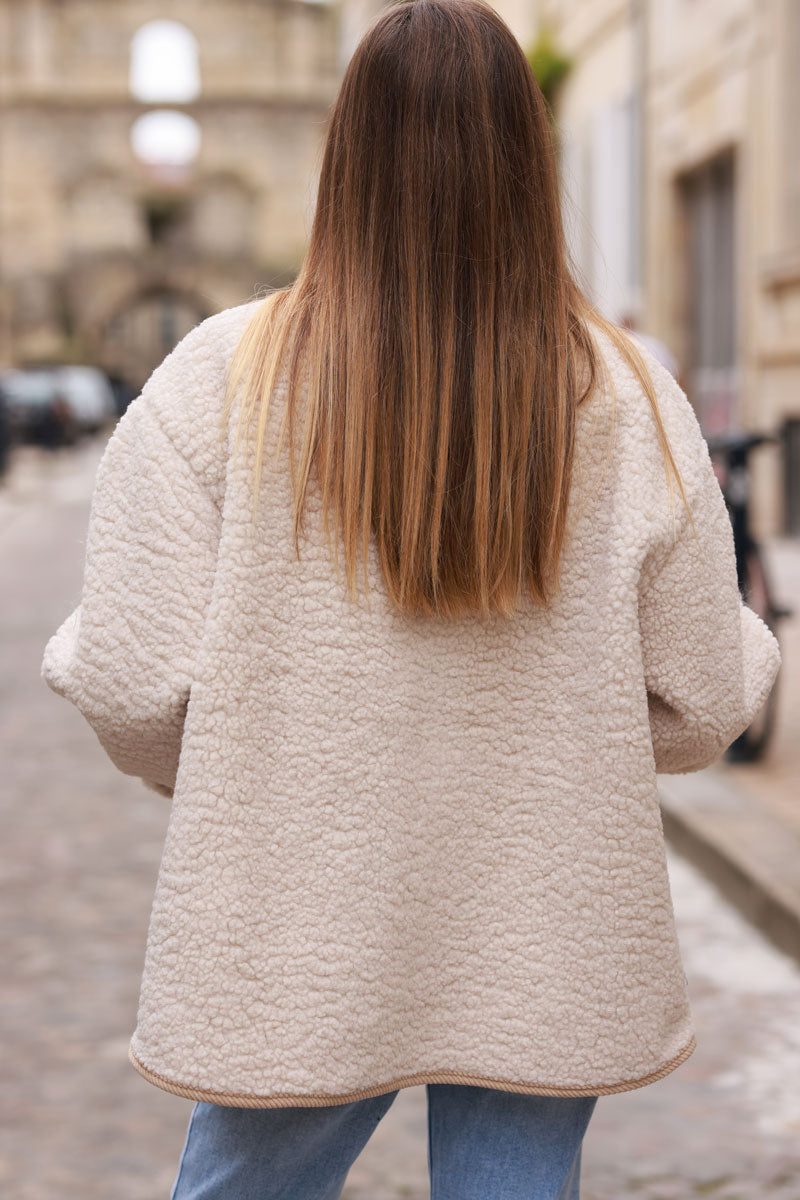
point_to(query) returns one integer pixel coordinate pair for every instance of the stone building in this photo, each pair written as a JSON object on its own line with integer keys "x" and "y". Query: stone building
{"x": 109, "y": 252}
{"x": 681, "y": 174}
{"x": 680, "y": 171}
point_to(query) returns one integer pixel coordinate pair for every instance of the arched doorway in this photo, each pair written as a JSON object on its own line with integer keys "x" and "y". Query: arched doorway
{"x": 140, "y": 334}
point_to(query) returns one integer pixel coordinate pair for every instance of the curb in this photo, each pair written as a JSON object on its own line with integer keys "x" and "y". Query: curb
{"x": 741, "y": 846}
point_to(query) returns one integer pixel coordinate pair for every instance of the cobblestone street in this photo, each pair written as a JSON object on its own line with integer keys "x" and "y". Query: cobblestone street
{"x": 80, "y": 852}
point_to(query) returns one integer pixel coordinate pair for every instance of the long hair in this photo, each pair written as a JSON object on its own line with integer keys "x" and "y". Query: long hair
{"x": 434, "y": 327}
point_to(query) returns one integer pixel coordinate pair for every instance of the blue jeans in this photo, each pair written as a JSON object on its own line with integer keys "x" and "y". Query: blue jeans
{"x": 482, "y": 1143}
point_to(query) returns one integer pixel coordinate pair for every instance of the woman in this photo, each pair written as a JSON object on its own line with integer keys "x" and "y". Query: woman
{"x": 408, "y": 673}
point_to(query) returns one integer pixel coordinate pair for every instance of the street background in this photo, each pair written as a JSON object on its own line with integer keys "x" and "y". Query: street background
{"x": 158, "y": 165}
{"x": 81, "y": 849}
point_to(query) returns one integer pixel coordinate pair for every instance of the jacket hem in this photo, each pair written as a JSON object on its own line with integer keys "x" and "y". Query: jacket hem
{"x": 319, "y": 1099}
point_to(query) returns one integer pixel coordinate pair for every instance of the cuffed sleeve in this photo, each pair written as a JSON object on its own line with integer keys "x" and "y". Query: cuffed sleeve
{"x": 709, "y": 660}
{"x": 126, "y": 655}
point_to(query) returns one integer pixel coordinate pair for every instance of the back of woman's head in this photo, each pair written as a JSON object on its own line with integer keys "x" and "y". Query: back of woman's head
{"x": 434, "y": 329}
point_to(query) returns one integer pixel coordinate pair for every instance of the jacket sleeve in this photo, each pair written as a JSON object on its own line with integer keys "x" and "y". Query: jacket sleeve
{"x": 709, "y": 661}
{"x": 126, "y": 655}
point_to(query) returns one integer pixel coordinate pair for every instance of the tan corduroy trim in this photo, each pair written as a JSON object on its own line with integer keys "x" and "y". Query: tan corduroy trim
{"x": 317, "y": 1099}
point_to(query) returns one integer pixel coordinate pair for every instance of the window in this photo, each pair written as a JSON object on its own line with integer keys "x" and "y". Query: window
{"x": 708, "y": 195}
{"x": 613, "y": 206}
{"x": 163, "y": 70}
{"x": 164, "y": 138}
{"x": 164, "y": 64}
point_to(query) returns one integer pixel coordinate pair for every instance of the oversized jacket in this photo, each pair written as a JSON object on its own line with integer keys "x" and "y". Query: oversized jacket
{"x": 404, "y": 850}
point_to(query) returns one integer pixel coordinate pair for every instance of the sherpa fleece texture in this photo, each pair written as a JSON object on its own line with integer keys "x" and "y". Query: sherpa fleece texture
{"x": 400, "y": 850}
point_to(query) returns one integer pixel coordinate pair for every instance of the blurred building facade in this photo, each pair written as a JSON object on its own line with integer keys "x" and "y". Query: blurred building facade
{"x": 679, "y": 138}
{"x": 681, "y": 180}
{"x": 108, "y": 256}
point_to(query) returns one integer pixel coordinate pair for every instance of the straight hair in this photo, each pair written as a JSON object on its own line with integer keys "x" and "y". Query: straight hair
{"x": 435, "y": 328}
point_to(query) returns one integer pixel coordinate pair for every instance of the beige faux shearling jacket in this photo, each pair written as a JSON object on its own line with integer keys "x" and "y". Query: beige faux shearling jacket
{"x": 404, "y": 851}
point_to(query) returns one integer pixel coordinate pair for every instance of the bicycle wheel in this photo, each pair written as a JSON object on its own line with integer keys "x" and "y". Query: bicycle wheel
{"x": 751, "y": 745}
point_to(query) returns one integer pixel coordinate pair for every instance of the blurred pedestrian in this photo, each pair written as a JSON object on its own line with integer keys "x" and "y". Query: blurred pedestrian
{"x": 657, "y": 348}
{"x": 388, "y": 586}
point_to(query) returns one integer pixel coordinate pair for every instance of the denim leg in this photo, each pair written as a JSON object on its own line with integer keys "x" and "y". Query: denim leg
{"x": 486, "y": 1142}
{"x": 571, "y": 1188}
{"x": 296, "y": 1153}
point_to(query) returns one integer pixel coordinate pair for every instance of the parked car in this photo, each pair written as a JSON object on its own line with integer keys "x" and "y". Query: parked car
{"x": 52, "y": 405}
{"x": 37, "y": 411}
{"x": 123, "y": 393}
{"x": 5, "y": 434}
{"x": 89, "y": 395}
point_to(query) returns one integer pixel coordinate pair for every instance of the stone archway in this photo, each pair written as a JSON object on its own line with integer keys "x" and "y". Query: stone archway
{"x": 84, "y": 220}
{"x": 142, "y": 329}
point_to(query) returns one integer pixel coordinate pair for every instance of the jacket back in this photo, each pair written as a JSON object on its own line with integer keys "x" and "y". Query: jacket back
{"x": 403, "y": 850}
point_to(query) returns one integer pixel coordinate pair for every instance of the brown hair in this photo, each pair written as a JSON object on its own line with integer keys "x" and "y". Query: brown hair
{"x": 435, "y": 323}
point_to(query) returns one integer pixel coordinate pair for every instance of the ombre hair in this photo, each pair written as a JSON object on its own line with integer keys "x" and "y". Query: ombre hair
{"x": 435, "y": 328}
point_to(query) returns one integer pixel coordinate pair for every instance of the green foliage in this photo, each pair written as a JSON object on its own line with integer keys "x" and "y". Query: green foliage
{"x": 549, "y": 65}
